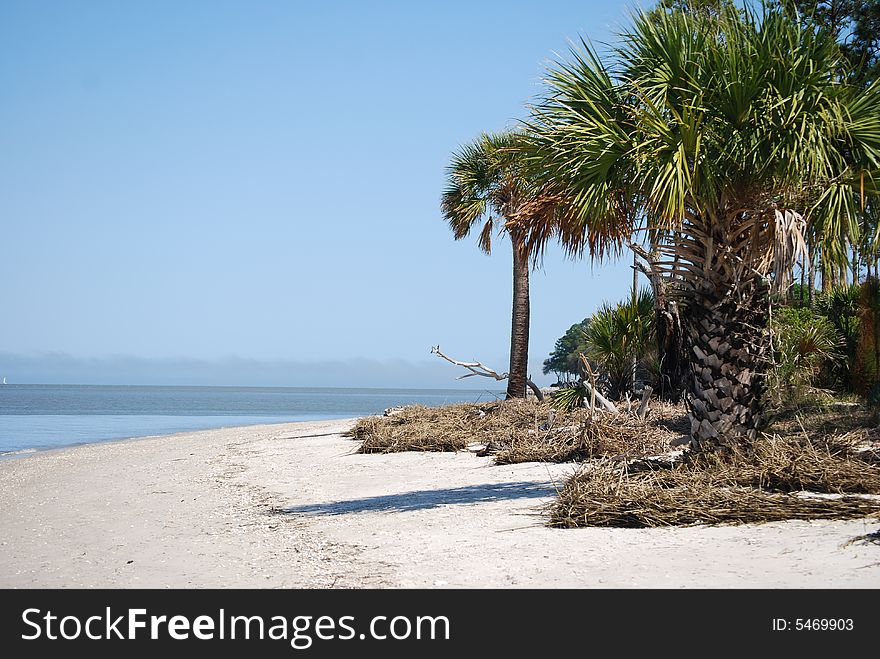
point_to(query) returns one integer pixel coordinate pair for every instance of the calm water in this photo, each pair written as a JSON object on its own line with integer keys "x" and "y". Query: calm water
{"x": 34, "y": 417}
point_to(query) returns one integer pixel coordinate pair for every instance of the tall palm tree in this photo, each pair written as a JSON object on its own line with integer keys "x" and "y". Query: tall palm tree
{"x": 723, "y": 139}
{"x": 487, "y": 183}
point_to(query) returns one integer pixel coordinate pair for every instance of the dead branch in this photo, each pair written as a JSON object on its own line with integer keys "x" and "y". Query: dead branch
{"x": 535, "y": 390}
{"x": 648, "y": 264}
{"x": 477, "y": 368}
{"x": 643, "y": 406}
{"x": 594, "y": 393}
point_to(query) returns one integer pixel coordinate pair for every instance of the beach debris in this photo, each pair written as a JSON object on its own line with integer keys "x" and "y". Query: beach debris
{"x": 777, "y": 478}
{"x": 584, "y": 393}
{"x": 866, "y": 539}
{"x": 551, "y": 417}
{"x": 643, "y": 406}
{"x": 608, "y": 495}
{"x": 477, "y": 368}
{"x": 520, "y": 430}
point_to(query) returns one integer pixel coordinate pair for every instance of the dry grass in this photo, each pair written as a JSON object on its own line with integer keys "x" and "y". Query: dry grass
{"x": 521, "y": 431}
{"x": 420, "y": 428}
{"x": 830, "y": 465}
{"x": 781, "y": 478}
{"x": 819, "y": 465}
{"x": 825, "y": 419}
{"x": 604, "y": 495}
{"x": 582, "y": 437}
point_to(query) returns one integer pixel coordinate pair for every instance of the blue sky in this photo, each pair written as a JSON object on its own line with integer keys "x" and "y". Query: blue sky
{"x": 229, "y": 182}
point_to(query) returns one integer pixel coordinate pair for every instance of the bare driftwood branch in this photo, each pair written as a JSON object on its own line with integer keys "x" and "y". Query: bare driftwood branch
{"x": 477, "y": 368}
{"x": 643, "y": 406}
{"x": 594, "y": 393}
{"x": 641, "y": 251}
{"x": 599, "y": 398}
{"x": 535, "y": 390}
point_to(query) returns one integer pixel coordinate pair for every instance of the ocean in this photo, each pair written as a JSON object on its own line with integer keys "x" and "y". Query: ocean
{"x": 35, "y": 417}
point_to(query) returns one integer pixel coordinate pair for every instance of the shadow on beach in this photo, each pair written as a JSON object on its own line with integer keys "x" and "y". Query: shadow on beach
{"x": 427, "y": 499}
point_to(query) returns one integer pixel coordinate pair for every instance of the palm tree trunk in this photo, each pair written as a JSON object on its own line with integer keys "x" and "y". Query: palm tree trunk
{"x": 635, "y": 297}
{"x": 673, "y": 358}
{"x": 519, "y": 326}
{"x": 826, "y": 270}
{"x": 855, "y": 265}
{"x": 729, "y": 344}
{"x": 667, "y": 321}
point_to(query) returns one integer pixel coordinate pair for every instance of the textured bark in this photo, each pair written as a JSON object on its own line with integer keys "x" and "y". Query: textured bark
{"x": 728, "y": 338}
{"x": 519, "y": 326}
{"x": 826, "y": 278}
{"x": 855, "y": 266}
{"x": 727, "y": 261}
{"x": 670, "y": 344}
{"x": 635, "y": 297}
{"x": 673, "y": 358}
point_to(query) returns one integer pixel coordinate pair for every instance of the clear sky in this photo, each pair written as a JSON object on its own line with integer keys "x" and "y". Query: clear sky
{"x": 247, "y": 192}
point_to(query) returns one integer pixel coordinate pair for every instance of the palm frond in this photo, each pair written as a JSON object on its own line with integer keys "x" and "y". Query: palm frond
{"x": 707, "y": 125}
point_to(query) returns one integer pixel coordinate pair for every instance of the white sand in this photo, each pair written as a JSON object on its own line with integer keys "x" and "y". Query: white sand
{"x": 272, "y": 506}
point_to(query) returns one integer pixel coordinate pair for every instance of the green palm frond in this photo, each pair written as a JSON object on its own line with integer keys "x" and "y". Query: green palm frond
{"x": 488, "y": 182}
{"x": 570, "y": 396}
{"x": 619, "y": 333}
{"x": 705, "y": 124}
{"x": 805, "y": 343}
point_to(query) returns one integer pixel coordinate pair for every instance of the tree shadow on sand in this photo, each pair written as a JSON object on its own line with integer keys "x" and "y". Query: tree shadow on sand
{"x": 427, "y": 499}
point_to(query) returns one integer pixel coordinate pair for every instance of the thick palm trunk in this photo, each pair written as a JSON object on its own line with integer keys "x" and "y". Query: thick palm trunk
{"x": 519, "y": 327}
{"x": 724, "y": 276}
{"x": 827, "y": 284}
{"x": 729, "y": 342}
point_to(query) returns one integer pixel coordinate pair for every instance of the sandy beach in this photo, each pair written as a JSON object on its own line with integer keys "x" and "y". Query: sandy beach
{"x": 291, "y": 505}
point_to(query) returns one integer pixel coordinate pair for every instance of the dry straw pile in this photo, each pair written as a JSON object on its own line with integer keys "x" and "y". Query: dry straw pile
{"x": 781, "y": 478}
{"x": 820, "y": 467}
{"x": 521, "y": 431}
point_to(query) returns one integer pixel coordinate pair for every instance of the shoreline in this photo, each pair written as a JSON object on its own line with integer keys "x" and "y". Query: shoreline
{"x": 291, "y": 505}
{"x": 26, "y": 452}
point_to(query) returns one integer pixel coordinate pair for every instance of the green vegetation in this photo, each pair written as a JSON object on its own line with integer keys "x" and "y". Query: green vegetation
{"x": 728, "y": 138}
{"x": 619, "y": 342}
{"x": 733, "y": 150}
{"x": 564, "y": 361}
{"x": 806, "y": 348}
{"x": 488, "y": 183}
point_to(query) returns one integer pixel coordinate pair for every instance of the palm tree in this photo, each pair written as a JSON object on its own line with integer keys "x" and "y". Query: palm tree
{"x": 619, "y": 335}
{"x": 486, "y": 183}
{"x": 722, "y": 139}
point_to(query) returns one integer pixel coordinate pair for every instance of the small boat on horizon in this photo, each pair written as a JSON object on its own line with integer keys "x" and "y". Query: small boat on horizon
{"x": 4, "y": 380}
